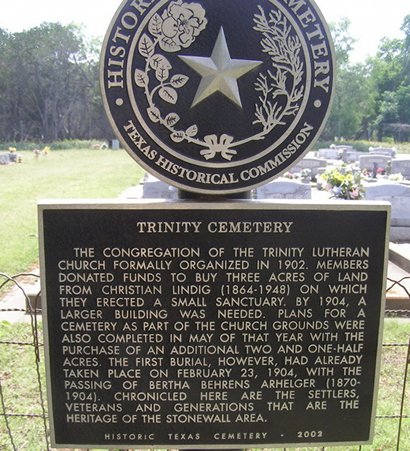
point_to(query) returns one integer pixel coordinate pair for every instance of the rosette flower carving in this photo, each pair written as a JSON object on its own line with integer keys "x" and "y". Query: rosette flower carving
{"x": 181, "y": 24}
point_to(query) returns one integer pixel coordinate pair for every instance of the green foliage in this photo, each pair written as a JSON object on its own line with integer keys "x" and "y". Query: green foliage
{"x": 403, "y": 103}
{"x": 342, "y": 40}
{"x": 354, "y": 96}
{"x": 69, "y": 144}
{"x": 66, "y": 144}
{"x": 363, "y": 145}
{"x": 390, "y": 72}
{"x": 353, "y": 102}
{"x": 19, "y": 380}
{"x": 49, "y": 85}
{"x": 372, "y": 99}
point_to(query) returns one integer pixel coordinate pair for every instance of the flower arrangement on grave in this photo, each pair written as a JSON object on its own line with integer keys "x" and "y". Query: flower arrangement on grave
{"x": 304, "y": 174}
{"x": 343, "y": 183}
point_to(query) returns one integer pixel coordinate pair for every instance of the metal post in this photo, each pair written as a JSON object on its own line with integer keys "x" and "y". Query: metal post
{"x": 403, "y": 396}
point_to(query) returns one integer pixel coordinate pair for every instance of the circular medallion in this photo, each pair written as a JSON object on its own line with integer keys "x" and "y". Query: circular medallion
{"x": 214, "y": 96}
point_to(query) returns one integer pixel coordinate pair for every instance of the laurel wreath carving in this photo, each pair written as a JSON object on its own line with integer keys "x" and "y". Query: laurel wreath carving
{"x": 284, "y": 51}
{"x": 280, "y": 88}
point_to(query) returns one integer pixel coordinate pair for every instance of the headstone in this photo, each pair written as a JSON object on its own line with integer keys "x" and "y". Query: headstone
{"x": 283, "y": 188}
{"x": 13, "y": 157}
{"x": 4, "y": 158}
{"x": 153, "y": 188}
{"x": 329, "y": 154}
{"x": 374, "y": 162}
{"x": 133, "y": 192}
{"x": 314, "y": 164}
{"x": 401, "y": 166}
{"x": 399, "y": 197}
{"x": 388, "y": 152}
{"x": 352, "y": 156}
{"x": 115, "y": 144}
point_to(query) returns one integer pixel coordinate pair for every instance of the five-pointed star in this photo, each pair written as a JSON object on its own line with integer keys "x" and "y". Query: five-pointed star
{"x": 219, "y": 72}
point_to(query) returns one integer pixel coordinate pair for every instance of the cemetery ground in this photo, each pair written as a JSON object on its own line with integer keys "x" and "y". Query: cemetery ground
{"x": 105, "y": 174}
{"x": 20, "y": 390}
{"x": 64, "y": 174}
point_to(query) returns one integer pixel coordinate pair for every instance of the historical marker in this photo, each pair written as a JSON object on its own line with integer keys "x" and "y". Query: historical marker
{"x": 239, "y": 325}
{"x": 214, "y": 325}
{"x": 216, "y": 96}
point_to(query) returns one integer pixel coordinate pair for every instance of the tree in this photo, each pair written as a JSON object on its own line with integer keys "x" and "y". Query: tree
{"x": 406, "y": 48}
{"x": 55, "y": 80}
{"x": 50, "y": 85}
{"x": 343, "y": 42}
{"x": 7, "y": 114}
{"x": 354, "y": 99}
{"x": 392, "y": 83}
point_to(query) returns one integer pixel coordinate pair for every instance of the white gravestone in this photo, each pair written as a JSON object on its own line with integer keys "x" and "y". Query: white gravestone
{"x": 371, "y": 162}
{"x": 157, "y": 189}
{"x": 329, "y": 154}
{"x": 399, "y": 197}
{"x": 388, "y": 152}
{"x": 401, "y": 166}
{"x": 314, "y": 164}
{"x": 284, "y": 189}
{"x": 4, "y": 158}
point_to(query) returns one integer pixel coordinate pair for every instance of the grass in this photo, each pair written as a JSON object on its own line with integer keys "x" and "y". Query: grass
{"x": 60, "y": 175}
{"x": 20, "y": 389}
{"x": 105, "y": 174}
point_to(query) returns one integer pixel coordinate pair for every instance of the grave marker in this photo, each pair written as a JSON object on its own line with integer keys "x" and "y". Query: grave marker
{"x": 398, "y": 196}
{"x": 157, "y": 189}
{"x": 374, "y": 162}
{"x": 329, "y": 154}
{"x": 401, "y": 166}
{"x": 388, "y": 152}
{"x": 314, "y": 164}
{"x": 4, "y": 158}
{"x": 284, "y": 189}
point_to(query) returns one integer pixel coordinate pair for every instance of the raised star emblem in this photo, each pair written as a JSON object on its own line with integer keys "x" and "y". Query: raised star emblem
{"x": 220, "y": 73}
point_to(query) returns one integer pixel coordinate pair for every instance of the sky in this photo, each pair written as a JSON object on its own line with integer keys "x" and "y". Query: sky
{"x": 371, "y": 20}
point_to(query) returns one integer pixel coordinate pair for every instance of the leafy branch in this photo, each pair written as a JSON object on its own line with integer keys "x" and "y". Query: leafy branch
{"x": 166, "y": 86}
{"x": 279, "y": 89}
{"x": 277, "y": 101}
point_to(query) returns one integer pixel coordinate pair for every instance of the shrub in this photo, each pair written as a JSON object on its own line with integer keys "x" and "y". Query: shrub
{"x": 56, "y": 145}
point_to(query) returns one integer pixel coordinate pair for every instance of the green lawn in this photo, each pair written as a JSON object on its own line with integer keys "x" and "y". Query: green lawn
{"x": 76, "y": 174}
{"x": 21, "y": 395}
{"x": 105, "y": 174}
